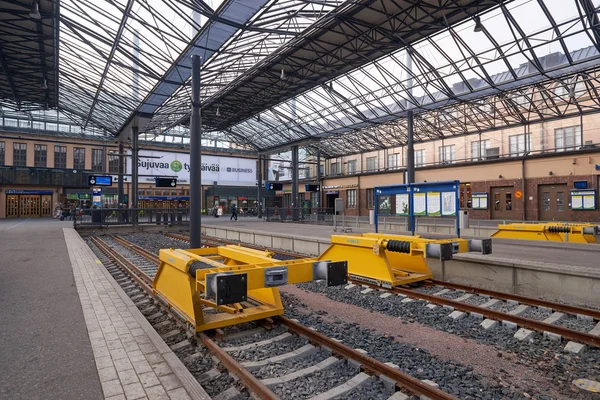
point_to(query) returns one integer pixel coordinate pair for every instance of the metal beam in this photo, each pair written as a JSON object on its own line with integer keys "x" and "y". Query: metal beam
{"x": 109, "y": 59}
{"x": 9, "y": 78}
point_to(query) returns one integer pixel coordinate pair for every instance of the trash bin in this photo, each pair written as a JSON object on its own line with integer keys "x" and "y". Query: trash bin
{"x": 463, "y": 219}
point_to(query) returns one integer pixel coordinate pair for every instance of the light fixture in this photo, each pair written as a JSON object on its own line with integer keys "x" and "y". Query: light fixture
{"x": 218, "y": 114}
{"x": 478, "y": 25}
{"x": 35, "y": 10}
{"x": 44, "y": 84}
{"x": 550, "y": 173}
{"x": 283, "y": 77}
{"x": 499, "y": 176}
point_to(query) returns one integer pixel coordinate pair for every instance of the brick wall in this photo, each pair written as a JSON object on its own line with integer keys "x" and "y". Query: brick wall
{"x": 572, "y": 215}
{"x": 486, "y": 187}
{"x": 531, "y": 191}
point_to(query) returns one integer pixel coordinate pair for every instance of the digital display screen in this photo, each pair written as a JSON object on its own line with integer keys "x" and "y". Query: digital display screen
{"x": 100, "y": 180}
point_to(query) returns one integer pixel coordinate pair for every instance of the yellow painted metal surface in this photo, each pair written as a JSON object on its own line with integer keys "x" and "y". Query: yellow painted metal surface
{"x": 463, "y": 244}
{"x": 370, "y": 262}
{"x": 185, "y": 293}
{"x": 544, "y": 232}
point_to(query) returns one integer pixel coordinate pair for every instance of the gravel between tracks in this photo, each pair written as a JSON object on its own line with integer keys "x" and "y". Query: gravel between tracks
{"x": 536, "y": 313}
{"x": 503, "y": 306}
{"x": 274, "y": 349}
{"x": 287, "y": 367}
{"x": 540, "y": 367}
{"x": 477, "y": 300}
{"x": 154, "y": 241}
{"x": 581, "y": 325}
{"x": 319, "y": 382}
{"x": 276, "y": 331}
{"x": 372, "y": 391}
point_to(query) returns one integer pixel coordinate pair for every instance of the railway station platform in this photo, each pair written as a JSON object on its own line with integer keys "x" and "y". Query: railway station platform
{"x": 580, "y": 255}
{"x": 68, "y": 329}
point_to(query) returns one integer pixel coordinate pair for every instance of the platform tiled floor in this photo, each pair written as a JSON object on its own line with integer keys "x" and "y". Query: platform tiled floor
{"x": 133, "y": 361}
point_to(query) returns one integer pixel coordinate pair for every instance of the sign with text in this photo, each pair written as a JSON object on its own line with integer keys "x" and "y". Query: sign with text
{"x": 166, "y": 182}
{"x": 226, "y": 171}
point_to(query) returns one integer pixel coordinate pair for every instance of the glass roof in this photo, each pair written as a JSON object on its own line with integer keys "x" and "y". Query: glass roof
{"x": 123, "y": 58}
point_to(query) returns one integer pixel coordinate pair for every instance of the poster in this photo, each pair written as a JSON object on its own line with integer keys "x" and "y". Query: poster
{"x": 479, "y": 201}
{"x": 583, "y": 200}
{"x": 449, "y": 203}
{"x": 433, "y": 204}
{"x": 230, "y": 171}
{"x": 385, "y": 205}
{"x": 402, "y": 204}
{"x": 483, "y": 203}
{"x": 420, "y": 204}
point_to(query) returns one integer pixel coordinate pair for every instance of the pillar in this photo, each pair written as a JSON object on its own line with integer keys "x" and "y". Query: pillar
{"x": 260, "y": 179}
{"x": 295, "y": 205}
{"x": 410, "y": 157}
{"x": 134, "y": 171}
{"x": 195, "y": 158}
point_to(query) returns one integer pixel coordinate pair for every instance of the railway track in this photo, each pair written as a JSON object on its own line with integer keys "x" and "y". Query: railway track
{"x": 346, "y": 369}
{"x": 556, "y": 320}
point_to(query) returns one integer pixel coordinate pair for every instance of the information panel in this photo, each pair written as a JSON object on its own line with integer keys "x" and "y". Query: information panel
{"x": 448, "y": 204}
{"x": 420, "y": 204}
{"x": 402, "y": 204}
{"x": 583, "y": 199}
{"x": 479, "y": 201}
{"x": 433, "y": 204}
{"x": 420, "y": 199}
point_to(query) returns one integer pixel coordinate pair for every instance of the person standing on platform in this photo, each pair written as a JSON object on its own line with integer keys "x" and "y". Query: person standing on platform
{"x": 233, "y": 212}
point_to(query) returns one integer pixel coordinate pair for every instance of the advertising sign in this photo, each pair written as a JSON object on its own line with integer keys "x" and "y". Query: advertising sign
{"x": 226, "y": 171}
{"x": 282, "y": 171}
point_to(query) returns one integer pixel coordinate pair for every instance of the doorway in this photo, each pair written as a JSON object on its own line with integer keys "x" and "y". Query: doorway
{"x": 12, "y": 206}
{"x": 331, "y": 199}
{"x": 503, "y": 203}
{"x": 551, "y": 202}
{"x": 46, "y": 206}
{"x": 29, "y": 206}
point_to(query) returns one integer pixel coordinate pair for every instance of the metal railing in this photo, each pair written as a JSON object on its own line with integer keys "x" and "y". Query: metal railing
{"x": 131, "y": 216}
{"x": 317, "y": 216}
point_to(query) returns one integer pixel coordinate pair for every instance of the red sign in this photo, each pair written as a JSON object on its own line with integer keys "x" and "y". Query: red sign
{"x": 518, "y": 194}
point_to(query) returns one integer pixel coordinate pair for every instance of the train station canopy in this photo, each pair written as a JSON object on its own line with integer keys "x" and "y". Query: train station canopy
{"x": 334, "y": 76}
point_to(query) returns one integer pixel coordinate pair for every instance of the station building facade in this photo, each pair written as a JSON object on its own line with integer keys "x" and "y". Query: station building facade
{"x": 525, "y": 173}
{"x": 39, "y": 173}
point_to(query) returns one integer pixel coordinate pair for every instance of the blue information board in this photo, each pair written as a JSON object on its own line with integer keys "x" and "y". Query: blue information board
{"x": 432, "y": 199}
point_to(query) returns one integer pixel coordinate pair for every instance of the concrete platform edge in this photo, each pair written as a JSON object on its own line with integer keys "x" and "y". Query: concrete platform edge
{"x": 194, "y": 389}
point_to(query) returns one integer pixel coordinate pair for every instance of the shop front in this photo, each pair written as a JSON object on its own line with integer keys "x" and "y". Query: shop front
{"x": 244, "y": 198}
{"x": 28, "y": 203}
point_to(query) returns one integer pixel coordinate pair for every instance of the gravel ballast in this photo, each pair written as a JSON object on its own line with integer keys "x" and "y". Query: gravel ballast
{"x": 286, "y": 367}
{"x": 271, "y": 350}
{"x": 319, "y": 382}
{"x": 555, "y": 370}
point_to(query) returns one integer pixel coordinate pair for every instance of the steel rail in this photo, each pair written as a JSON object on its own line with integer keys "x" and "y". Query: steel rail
{"x": 253, "y": 384}
{"x": 539, "y": 326}
{"x": 370, "y": 364}
{"x": 522, "y": 299}
{"x": 403, "y": 380}
{"x": 136, "y": 274}
{"x": 148, "y": 255}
